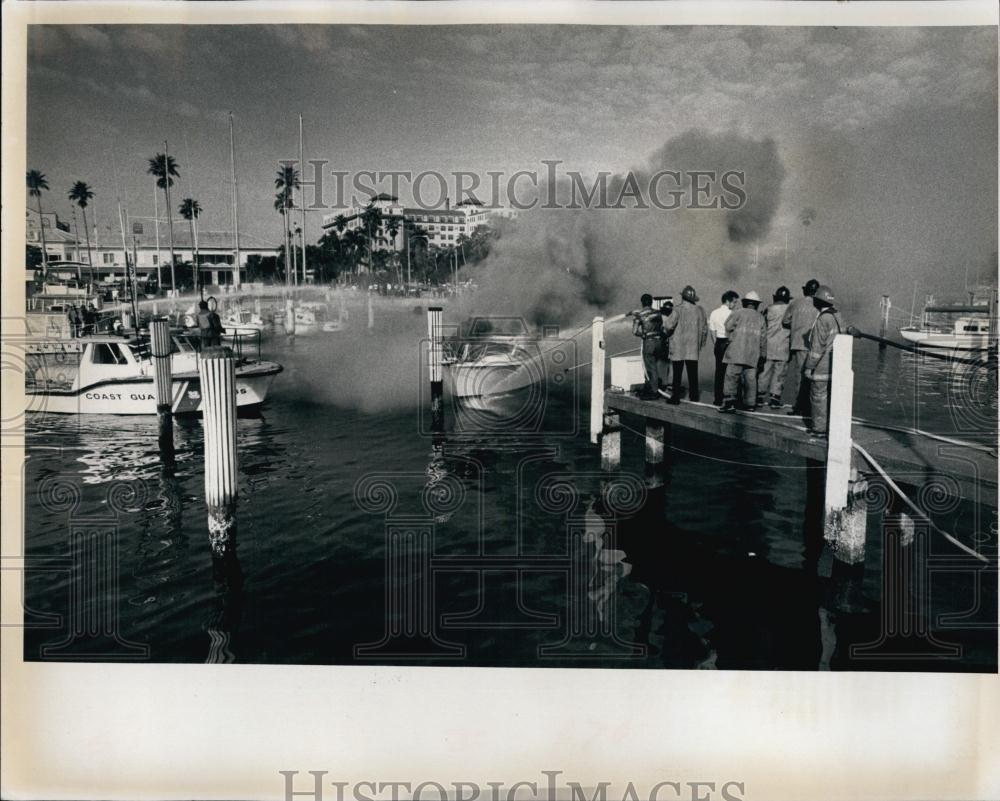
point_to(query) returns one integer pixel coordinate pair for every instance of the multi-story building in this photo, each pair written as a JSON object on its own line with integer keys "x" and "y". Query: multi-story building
{"x": 442, "y": 228}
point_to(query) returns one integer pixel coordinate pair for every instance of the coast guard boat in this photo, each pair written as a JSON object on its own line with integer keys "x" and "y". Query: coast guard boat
{"x": 108, "y": 374}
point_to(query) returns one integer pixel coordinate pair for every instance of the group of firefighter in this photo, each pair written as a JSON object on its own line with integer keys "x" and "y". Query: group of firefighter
{"x": 756, "y": 350}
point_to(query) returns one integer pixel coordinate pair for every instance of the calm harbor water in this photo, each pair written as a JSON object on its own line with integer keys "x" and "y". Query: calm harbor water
{"x": 363, "y": 539}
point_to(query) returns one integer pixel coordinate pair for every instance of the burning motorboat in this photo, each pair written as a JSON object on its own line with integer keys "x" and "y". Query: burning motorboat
{"x": 492, "y": 357}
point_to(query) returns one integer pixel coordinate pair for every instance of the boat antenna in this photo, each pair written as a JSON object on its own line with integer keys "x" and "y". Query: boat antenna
{"x": 302, "y": 200}
{"x": 129, "y": 270}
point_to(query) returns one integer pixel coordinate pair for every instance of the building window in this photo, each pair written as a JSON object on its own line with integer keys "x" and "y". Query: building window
{"x": 108, "y": 258}
{"x": 156, "y": 260}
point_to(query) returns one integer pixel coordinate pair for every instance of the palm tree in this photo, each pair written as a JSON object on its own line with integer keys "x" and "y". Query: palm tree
{"x": 281, "y": 206}
{"x": 164, "y": 169}
{"x": 392, "y": 228}
{"x": 190, "y": 210}
{"x": 286, "y": 182}
{"x": 372, "y": 219}
{"x": 81, "y": 194}
{"x": 36, "y": 184}
{"x": 340, "y": 223}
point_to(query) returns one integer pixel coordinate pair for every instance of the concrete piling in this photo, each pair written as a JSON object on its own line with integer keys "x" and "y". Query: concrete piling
{"x": 159, "y": 333}
{"x": 655, "y": 454}
{"x": 344, "y": 313}
{"x": 598, "y": 354}
{"x": 371, "y": 312}
{"x": 435, "y": 356}
{"x": 611, "y": 444}
{"x": 289, "y": 316}
{"x": 883, "y": 326}
{"x": 126, "y": 320}
{"x": 217, "y": 373}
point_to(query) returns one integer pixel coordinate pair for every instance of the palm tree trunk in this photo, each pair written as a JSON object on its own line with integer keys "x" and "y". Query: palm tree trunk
{"x": 90, "y": 256}
{"x": 170, "y": 228}
{"x": 41, "y": 228}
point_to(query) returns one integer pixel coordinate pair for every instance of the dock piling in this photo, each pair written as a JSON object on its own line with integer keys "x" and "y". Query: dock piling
{"x": 435, "y": 357}
{"x": 217, "y": 373}
{"x": 655, "y": 454}
{"x": 371, "y": 312}
{"x": 883, "y": 327}
{"x": 159, "y": 332}
{"x": 289, "y": 316}
{"x": 598, "y": 353}
{"x": 844, "y": 509}
{"x": 611, "y": 444}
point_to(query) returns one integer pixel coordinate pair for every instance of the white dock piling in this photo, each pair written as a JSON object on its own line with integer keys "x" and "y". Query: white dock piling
{"x": 883, "y": 326}
{"x": 256, "y": 305}
{"x": 371, "y": 312}
{"x": 598, "y": 354}
{"x": 345, "y": 315}
{"x": 289, "y": 316}
{"x": 844, "y": 509}
{"x": 159, "y": 333}
{"x": 435, "y": 357}
{"x": 126, "y": 320}
{"x": 217, "y": 372}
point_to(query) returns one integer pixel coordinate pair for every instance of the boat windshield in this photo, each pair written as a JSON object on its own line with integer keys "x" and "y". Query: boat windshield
{"x": 498, "y": 326}
{"x": 474, "y": 351}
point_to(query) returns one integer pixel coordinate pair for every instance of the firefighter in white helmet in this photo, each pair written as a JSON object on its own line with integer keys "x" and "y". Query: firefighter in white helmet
{"x": 747, "y": 335}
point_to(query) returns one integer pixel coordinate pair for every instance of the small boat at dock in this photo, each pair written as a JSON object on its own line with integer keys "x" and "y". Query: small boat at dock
{"x": 955, "y": 326}
{"x": 493, "y": 357}
{"x": 108, "y": 374}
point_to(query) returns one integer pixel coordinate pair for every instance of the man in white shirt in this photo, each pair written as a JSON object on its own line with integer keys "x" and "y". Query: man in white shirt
{"x": 717, "y": 330}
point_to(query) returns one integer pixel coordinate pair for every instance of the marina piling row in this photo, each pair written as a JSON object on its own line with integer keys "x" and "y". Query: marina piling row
{"x": 217, "y": 373}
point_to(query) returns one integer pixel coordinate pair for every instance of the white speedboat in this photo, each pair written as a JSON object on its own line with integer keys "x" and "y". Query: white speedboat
{"x": 967, "y": 333}
{"x": 313, "y": 316}
{"x": 496, "y": 357}
{"x": 243, "y": 320}
{"x": 114, "y": 375}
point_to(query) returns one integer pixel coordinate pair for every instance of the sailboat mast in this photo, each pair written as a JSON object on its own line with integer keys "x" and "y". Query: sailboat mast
{"x": 156, "y": 226}
{"x": 236, "y": 213}
{"x": 302, "y": 201}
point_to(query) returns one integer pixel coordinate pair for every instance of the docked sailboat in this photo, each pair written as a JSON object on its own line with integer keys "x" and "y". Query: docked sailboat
{"x": 970, "y": 326}
{"x": 114, "y": 375}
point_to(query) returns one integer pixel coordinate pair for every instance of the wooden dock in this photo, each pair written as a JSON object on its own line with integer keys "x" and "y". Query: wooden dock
{"x": 911, "y": 459}
{"x": 843, "y": 465}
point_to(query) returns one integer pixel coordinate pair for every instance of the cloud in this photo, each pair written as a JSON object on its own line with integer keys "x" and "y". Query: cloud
{"x": 88, "y": 35}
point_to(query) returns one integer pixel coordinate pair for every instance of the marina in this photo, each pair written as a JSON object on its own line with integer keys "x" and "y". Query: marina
{"x": 621, "y": 515}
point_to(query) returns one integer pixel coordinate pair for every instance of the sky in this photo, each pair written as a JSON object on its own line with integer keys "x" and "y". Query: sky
{"x": 892, "y": 130}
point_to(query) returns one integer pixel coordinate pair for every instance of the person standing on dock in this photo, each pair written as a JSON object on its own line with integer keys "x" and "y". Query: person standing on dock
{"x": 799, "y": 318}
{"x": 717, "y": 330}
{"x": 687, "y": 329}
{"x": 648, "y": 324}
{"x": 772, "y": 377}
{"x": 209, "y": 326}
{"x": 819, "y": 361}
{"x": 747, "y": 336}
